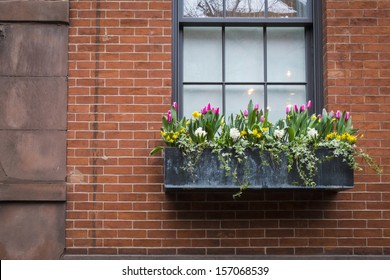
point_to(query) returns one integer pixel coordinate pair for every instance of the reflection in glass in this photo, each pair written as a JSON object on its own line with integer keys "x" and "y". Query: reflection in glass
{"x": 202, "y": 52}
{"x": 202, "y": 8}
{"x": 279, "y": 96}
{"x": 287, "y": 8}
{"x": 238, "y": 97}
{"x": 195, "y": 97}
{"x": 286, "y": 54}
{"x": 245, "y": 8}
{"x": 244, "y": 54}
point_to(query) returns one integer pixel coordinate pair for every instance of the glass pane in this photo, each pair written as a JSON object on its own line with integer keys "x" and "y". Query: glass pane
{"x": 202, "y": 53}
{"x": 203, "y": 8}
{"x": 286, "y": 60}
{"x": 195, "y": 97}
{"x": 244, "y": 54}
{"x": 246, "y": 8}
{"x": 282, "y": 95}
{"x": 238, "y": 97}
{"x": 288, "y": 8}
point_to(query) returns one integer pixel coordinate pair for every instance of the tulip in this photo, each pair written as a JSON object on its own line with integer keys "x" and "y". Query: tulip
{"x": 246, "y": 113}
{"x": 331, "y": 114}
{"x": 169, "y": 117}
{"x": 347, "y": 116}
{"x": 296, "y": 108}
{"x": 208, "y": 107}
{"x": 204, "y": 110}
{"x": 175, "y": 106}
{"x": 216, "y": 111}
{"x": 288, "y": 109}
{"x": 262, "y": 118}
{"x": 338, "y": 114}
{"x": 303, "y": 108}
{"x": 308, "y": 104}
{"x": 256, "y": 107}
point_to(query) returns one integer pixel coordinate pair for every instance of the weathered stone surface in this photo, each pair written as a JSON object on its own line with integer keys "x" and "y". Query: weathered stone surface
{"x": 33, "y": 155}
{"x": 33, "y": 103}
{"x": 32, "y": 230}
{"x": 33, "y": 192}
{"x": 34, "y": 10}
{"x": 33, "y": 50}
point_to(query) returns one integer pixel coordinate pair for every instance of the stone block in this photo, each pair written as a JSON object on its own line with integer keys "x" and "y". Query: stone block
{"x": 33, "y": 50}
{"x": 32, "y": 230}
{"x": 34, "y": 10}
{"x": 33, "y": 155}
{"x": 33, "y": 103}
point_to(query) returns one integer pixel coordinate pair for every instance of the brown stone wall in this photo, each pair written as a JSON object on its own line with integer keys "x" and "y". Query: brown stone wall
{"x": 33, "y": 90}
{"x": 120, "y": 85}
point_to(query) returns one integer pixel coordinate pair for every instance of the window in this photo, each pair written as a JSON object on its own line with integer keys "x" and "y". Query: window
{"x": 228, "y": 52}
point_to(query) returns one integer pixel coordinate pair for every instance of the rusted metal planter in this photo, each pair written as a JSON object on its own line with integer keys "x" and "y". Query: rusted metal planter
{"x": 259, "y": 169}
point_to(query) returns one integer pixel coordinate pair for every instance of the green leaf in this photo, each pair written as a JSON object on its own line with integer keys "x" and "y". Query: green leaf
{"x": 156, "y": 149}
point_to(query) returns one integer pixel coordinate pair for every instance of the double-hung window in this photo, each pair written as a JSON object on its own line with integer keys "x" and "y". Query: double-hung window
{"x": 228, "y": 52}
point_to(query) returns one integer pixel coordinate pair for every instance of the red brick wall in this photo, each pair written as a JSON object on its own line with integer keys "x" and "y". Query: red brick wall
{"x": 120, "y": 85}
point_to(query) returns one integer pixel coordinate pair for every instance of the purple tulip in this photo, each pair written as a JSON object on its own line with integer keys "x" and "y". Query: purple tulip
{"x": 204, "y": 110}
{"x": 208, "y": 107}
{"x": 347, "y": 116}
{"x": 338, "y": 114}
{"x": 262, "y": 119}
{"x": 303, "y": 108}
{"x": 308, "y": 104}
{"x": 296, "y": 108}
{"x": 169, "y": 117}
{"x": 216, "y": 111}
{"x": 175, "y": 106}
{"x": 245, "y": 112}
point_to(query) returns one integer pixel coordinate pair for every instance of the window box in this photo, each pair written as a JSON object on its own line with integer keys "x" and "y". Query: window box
{"x": 260, "y": 170}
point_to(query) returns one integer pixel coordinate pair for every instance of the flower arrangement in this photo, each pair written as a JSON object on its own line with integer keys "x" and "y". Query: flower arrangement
{"x": 299, "y": 135}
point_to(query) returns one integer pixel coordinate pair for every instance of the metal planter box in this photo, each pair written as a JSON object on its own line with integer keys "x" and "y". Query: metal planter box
{"x": 260, "y": 170}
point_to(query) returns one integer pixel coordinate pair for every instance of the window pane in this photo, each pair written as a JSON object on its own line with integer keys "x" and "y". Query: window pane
{"x": 202, "y": 54}
{"x": 195, "y": 97}
{"x": 238, "y": 97}
{"x": 281, "y": 96}
{"x": 203, "y": 8}
{"x": 244, "y": 54}
{"x": 246, "y": 8}
{"x": 286, "y": 54}
{"x": 287, "y": 8}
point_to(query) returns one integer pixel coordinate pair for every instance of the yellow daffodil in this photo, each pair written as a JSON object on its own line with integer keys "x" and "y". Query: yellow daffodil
{"x": 196, "y": 114}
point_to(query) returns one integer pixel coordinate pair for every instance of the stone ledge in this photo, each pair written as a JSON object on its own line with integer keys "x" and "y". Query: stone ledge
{"x": 52, "y": 11}
{"x": 54, "y": 191}
{"x": 227, "y": 257}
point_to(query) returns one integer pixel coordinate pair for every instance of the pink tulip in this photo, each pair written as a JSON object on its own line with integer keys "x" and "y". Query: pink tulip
{"x": 338, "y": 114}
{"x": 256, "y": 107}
{"x": 303, "y": 108}
{"x": 319, "y": 116}
{"x": 175, "y": 106}
{"x": 204, "y": 110}
{"x": 169, "y": 117}
{"x": 208, "y": 107}
{"x": 262, "y": 119}
{"x": 308, "y": 104}
{"x": 347, "y": 116}
{"x": 288, "y": 109}
{"x": 296, "y": 108}
{"x": 216, "y": 111}
{"x": 245, "y": 112}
